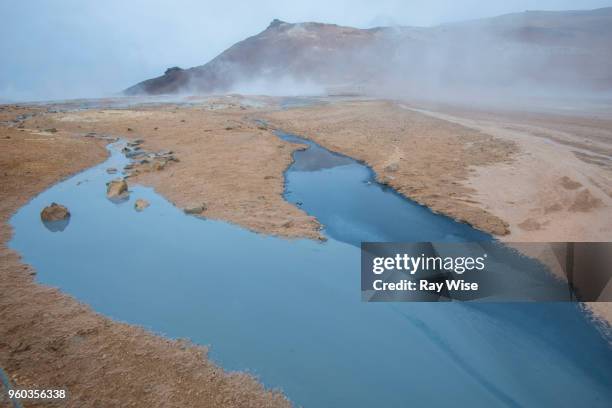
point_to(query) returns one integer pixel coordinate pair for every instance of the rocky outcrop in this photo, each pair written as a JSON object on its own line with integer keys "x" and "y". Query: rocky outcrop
{"x": 172, "y": 70}
{"x": 117, "y": 189}
{"x": 54, "y": 212}
{"x": 147, "y": 161}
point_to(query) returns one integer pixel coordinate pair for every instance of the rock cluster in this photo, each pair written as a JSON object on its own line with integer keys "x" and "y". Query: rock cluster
{"x": 101, "y": 136}
{"x": 18, "y": 121}
{"x": 146, "y": 161}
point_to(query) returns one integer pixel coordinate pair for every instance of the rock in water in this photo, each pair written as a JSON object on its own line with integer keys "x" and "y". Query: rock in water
{"x": 116, "y": 189}
{"x": 196, "y": 210}
{"x": 54, "y": 212}
{"x": 141, "y": 204}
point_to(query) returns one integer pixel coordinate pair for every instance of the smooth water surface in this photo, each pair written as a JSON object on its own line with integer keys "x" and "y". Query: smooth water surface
{"x": 289, "y": 311}
{"x": 345, "y": 198}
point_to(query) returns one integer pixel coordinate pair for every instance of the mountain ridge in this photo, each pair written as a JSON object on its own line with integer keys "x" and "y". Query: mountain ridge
{"x": 560, "y": 49}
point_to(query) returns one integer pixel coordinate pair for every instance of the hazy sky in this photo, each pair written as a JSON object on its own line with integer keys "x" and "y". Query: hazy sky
{"x": 54, "y": 49}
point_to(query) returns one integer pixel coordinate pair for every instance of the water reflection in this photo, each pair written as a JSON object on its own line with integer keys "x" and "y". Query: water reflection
{"x": 56, "y": 226}
{"x": 289, "y": 311}
{"x": 345, "y": 197}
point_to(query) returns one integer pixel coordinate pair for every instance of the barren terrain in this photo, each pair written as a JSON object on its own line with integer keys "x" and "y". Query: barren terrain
{"x": 426, "y": 159}
{"x": 521, "y": 177}
{"x": 227, "y": 162}
{"x": 49, "y": 340}
{"x": 559, "y": 185}
{"x": 551, "y": 51}
{"x": 524, "y": 177}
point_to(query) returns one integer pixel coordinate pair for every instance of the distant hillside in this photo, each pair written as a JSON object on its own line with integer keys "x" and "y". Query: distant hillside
{"x": 567, "y": 50}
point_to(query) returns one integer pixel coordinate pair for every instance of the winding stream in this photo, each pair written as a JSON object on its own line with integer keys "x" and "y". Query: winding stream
{"x": 289, "y": 311}
{"x": 343, "y": 195}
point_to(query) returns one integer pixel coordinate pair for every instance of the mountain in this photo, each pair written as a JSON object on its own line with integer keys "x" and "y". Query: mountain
{"x": 304, "y": 51}
{"x": 563, "y": 50}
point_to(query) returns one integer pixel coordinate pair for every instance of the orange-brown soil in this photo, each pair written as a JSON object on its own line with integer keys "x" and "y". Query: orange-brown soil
{"x": 426, "y": 159}
{"x": 49, "y": 340}
{"x": 525, "y": 178}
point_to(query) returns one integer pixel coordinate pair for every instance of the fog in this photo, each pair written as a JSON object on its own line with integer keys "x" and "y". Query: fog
{"x": 565, "y": 57}
{"x": 74, "y": 49}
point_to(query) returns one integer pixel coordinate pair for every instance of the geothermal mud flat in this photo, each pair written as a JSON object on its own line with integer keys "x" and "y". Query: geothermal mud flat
{"x": 100, "y": 361}
{"x": 234, "y": 165}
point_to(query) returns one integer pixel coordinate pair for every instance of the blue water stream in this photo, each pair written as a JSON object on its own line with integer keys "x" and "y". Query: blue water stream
{"x": 289, "y": 311}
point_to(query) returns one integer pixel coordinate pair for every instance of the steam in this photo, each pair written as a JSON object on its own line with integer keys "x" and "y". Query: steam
{"x": 85, "y": 51}
{"x": 514, "y": 56}
{"x": 284, "y": 86}
{"x": 506, "y": 59}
